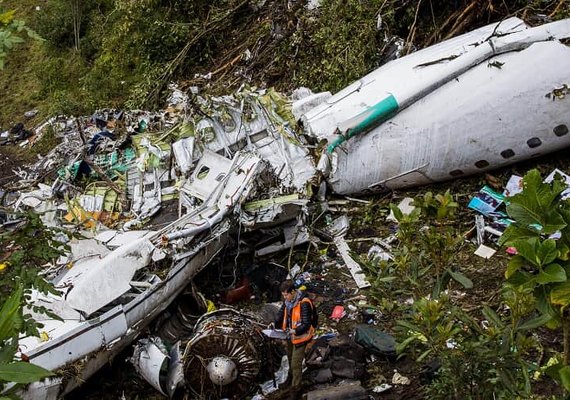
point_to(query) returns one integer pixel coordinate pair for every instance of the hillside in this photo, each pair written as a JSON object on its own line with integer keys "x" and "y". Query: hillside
{"x": 119, "y": 53}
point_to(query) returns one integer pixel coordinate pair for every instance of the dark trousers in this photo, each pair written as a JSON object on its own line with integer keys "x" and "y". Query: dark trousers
{"x": 296, "y": 354}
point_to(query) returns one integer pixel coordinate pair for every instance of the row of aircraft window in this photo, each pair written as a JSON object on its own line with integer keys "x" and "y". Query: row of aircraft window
{"x": 533, "y": 143}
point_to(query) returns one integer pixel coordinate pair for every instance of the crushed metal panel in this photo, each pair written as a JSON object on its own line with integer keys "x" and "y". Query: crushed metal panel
{"x": 155, "y": 299}
{"x": 273, "y": 211}
{"x": 292, "y": 163}
{"x": 294, "y": 235}
{"x": 82, "y": 249}
{"x": 183, "y": 150}
{"x": 54, "y": 303}
{"x": 149, "y": 360}
{"x": 123, "y": 238}
{"x": 100, "y": 282}
{"x": 230, "y": 191}
{"x": 249, "y": 121}
{"x": 354, "y": 268}
{"x": 208, "y": 174}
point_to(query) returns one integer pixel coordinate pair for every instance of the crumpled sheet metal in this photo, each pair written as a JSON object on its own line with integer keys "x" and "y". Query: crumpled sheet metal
{"x": 96, "y": 283}
{"x": 232, "y": 189}
{"x": 160, "y": 368}
{"x": 260, "y": 122}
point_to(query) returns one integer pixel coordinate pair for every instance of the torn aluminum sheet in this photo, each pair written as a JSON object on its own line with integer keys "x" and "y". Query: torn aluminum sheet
{"x": 337, "y": 230}
{"x": 148, "y": 194}
{"x": 113, "y": 239}
{"x": 260, "y": 122}
{"x": 406, "y": 206}
{"x": 273, "y": 211}
{"x": 210, "y": 171}
{"x": 183, "y": 150}
{"x": 418, "y": 103}
{"x": 233, "y": 186}
{"x": 95, "y": 283}
{"x": 82, "y": 249}
{"x": 41, "y": 201}
{"x": 294, "y": 234}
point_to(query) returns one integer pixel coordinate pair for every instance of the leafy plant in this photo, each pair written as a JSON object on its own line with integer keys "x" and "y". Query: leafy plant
{"x": 429, "y": 328}
{"x": 10, "y": 33}
{"x": 541, "y": 236}
{"x": 26, "y": 249}
{"x": 429, "y": 250}
{"x": 11, "y": 323}
{"x": 477, "y": 361}
{"x": 440, "y": 206}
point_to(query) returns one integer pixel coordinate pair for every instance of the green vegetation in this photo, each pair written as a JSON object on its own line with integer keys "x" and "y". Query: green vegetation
{"x": 541, "y": 235}
{"x": 19, "y": 372}
{"x": 120, "y": 53}
{"x": 491, "y": 345}
{"x": 26, "y": 248}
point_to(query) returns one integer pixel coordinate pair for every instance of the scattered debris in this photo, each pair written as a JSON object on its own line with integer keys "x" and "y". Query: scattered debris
{"x": 158, "y": 196}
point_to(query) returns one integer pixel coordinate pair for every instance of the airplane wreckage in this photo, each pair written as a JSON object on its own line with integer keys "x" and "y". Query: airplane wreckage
{"x": 251, "y": 161}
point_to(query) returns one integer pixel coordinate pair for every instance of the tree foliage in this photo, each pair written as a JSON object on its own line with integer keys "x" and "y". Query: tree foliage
{"x": 11, "y": 32}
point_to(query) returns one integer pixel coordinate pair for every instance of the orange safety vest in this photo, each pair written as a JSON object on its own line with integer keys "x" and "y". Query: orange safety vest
{"x": 296, "y": 321}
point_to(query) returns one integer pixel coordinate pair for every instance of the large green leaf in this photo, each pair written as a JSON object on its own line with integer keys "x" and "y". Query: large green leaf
{"x": 552, "y": 273}
{"x": 515, "y": 232}
{"x": 22, "y": 372}
{"x": 461, "y": 278}
{"x": 9, "y": 315}
{"x": 564, "y": 374}
{"x": 401, "y": 347}
{"x": 535, "y": 205}
{"x": 525, "y": 216}
{"x": 547, "y": 251}
{"x": 560, "y": 294}
{"x": 515, "y": 263}
{"x": 522, "y": 278}
{"x": 7, "y": 351}
{"x": 492, "y": 317}
{"x": 528, "y": 248}
{"x": 534, "y": 323}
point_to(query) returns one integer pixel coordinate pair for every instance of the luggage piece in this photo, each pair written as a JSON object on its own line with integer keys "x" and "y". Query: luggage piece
{"x": 376, "y": 341}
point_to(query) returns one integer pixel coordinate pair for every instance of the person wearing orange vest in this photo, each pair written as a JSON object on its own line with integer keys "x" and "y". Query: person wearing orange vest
{"x": 295, "y": 317}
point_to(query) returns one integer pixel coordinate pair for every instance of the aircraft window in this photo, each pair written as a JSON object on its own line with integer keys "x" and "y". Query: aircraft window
{"x": 560, "y": 130}
{"x": 533, "y": 142}
{"x": 482, "y": 164}
{"x": 456, "y": 172}
{"x": 507, "y": 153}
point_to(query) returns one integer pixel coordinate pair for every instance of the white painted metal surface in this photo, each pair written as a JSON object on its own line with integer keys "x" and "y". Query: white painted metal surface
{"x": 496, "y": 110}
{"x": 96, "y": 283}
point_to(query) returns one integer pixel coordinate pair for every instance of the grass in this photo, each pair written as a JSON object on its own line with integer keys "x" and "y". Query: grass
{"x": 19, "y": 81}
